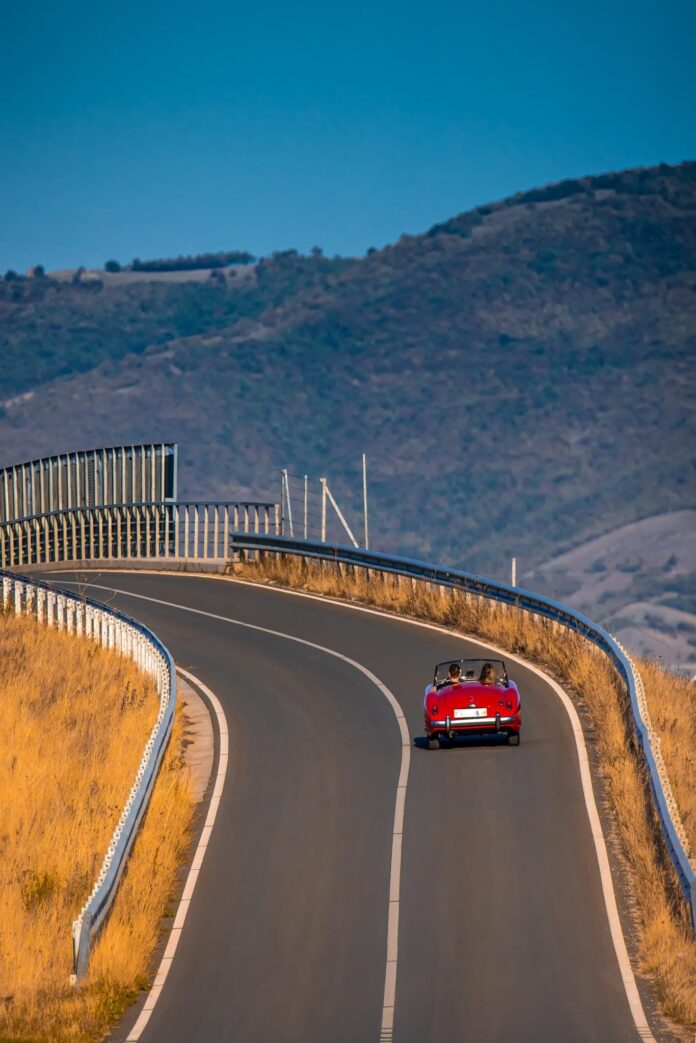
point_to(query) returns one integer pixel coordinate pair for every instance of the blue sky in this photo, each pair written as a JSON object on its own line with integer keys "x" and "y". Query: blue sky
{"x": 154, "y": 129}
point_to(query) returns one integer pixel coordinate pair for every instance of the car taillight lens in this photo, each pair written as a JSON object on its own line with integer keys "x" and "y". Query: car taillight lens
{"x": 434, "y": 710}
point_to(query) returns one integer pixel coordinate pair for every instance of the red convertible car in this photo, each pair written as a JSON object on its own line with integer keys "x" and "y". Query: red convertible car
{"x": 471, "y": 697}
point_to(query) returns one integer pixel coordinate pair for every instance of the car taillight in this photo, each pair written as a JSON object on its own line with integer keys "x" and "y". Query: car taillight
{"x": 434, "y": 710}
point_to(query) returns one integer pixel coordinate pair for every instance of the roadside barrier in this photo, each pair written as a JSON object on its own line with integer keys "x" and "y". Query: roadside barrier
{"x": 194, "y": 532}
{"x": 111, "y": 629}
{"x": 668, "y": 813}
{"x": 152, "y": 529}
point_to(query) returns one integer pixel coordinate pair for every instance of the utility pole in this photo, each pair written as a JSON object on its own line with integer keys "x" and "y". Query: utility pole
{"x": 364, "y": 469}
{"x": 514, "y": 572}
{"x": 305, "y": 506}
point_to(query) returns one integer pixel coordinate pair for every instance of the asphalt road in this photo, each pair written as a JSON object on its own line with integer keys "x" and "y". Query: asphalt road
{"x": 503, "y": 930}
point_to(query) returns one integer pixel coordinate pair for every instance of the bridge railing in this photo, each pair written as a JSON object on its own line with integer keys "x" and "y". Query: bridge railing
{"x": 665, "y": 803}
{"x": 89, "y": 478}
{"x": 155, "y": 529}
{"x": 111, "y": 629}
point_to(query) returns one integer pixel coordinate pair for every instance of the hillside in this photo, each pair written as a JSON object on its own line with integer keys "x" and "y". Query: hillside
{"x": 640, "y": 579}
{"x": 521, "y": 376}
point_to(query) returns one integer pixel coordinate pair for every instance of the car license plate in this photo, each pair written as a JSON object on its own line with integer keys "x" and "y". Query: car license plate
{"x": 470, "y": 711}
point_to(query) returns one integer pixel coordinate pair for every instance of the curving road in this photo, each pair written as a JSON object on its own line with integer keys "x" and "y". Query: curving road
{"x": 503, "y": 931}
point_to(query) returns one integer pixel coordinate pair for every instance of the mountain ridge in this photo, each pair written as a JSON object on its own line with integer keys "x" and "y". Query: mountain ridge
{"x": 521, "y": 375}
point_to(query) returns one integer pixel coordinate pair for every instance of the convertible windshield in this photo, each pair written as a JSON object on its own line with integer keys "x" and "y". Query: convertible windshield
{"x": 471, "y": 670}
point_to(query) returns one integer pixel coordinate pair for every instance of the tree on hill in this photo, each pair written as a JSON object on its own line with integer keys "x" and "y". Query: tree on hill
{"x": 112, "y": 266}
{"x": 193, "y": 262}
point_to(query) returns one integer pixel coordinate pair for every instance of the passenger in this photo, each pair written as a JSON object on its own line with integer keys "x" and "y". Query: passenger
{"x": 488, "y": 674}
{"x": 454, "y": 674}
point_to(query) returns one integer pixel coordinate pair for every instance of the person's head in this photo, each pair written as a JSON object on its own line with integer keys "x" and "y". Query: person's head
{"x": 454, "y": 672}
{"x": 488, "y": 674}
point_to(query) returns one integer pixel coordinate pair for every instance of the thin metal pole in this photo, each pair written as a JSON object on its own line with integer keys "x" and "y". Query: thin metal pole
{"x": 323, "y": 509}
{"x": 367, "y": 532}
{"x": 305, "y": 505}
{"x": 288, "y": 501}
{"x": 514, "y": 572}
{"x": 342, "y": 520}
{"x": 6, "y": 496}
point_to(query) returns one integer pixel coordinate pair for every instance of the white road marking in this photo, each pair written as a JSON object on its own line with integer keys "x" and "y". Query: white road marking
{"x": 387, "y": 1025}
{"x": 192, "y": 878}
{"x": 619, "y": 942}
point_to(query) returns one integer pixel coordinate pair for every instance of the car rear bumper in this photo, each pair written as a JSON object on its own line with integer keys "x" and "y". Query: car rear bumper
{"x": 450, "y": 726}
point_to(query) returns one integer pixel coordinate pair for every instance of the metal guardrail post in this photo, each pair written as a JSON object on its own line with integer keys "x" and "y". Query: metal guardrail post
{"x": 148, "y": 533}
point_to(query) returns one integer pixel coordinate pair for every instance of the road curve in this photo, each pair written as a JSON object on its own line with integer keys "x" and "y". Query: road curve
{"x": 504, "y": 932}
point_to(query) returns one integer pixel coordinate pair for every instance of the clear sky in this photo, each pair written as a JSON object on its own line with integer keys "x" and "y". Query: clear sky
{"x": 158, "y": 128}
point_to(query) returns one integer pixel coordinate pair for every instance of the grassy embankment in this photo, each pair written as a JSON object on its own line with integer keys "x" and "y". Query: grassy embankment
{"x": 666, "y": 948}
{"x": 74, "y": 720}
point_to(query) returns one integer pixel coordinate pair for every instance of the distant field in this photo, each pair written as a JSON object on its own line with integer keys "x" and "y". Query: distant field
{"x": 239, "y": 273}
{"x": 640, "y": 579}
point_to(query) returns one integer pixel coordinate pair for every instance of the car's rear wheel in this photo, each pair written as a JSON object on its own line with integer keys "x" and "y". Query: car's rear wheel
{"x": 513, "y": 739}
{"x": 433, "y": 742}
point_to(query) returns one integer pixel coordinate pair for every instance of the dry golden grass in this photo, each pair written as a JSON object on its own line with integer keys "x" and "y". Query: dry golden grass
{"x": 666, "y": 948}
{"x": 74, "y": 719}
{"x": 672, "y": 702}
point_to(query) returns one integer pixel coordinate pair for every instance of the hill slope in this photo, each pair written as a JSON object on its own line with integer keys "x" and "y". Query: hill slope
{"x": 521, "y": 376}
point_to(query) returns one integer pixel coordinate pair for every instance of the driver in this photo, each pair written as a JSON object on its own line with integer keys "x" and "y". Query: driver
{"x": 455, "y": 674}
{"x": 488, "y": 674}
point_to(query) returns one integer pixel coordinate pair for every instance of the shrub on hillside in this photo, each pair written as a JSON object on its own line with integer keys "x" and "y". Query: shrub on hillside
{"x": 192, "y": 262}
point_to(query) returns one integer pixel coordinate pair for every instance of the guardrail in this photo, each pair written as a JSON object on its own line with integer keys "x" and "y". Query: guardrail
{"x": 665, "y": 803}
{"x": 151, "y": 529}
{"x": 89, "y": 478}
{"x": 199, "y": 531}
{"x": 111, "y": 629}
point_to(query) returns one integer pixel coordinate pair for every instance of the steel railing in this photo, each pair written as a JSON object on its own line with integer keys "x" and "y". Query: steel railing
{"x": 199, "y": 531}
{"x": 89, "y": 478}
{"x": 154, "y": 529}
{"x": 665, "y": 803}
{"x": 111, "y": 629}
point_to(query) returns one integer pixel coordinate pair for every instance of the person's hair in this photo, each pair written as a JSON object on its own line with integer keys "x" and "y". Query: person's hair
{"x": 454, "y": 670}
{"x": 487, "y": 673}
